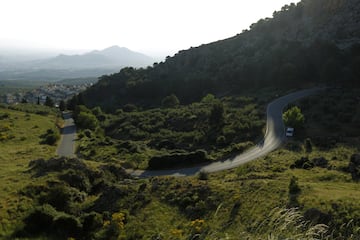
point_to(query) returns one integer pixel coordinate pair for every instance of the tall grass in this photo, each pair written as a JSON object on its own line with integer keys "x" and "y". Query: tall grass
{"x": 288, "y": 224}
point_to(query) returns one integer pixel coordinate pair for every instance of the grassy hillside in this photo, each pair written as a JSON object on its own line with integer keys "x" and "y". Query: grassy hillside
{"x": 20, "y": 137}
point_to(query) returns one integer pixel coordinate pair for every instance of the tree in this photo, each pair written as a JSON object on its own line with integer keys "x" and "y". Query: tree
{"x": 62, "y": 105}
{"x": 87, "y": 121}
{"x": 170, "y": 101}
{"x": 138, "y": 158}
{"x": 209, "y": 98}
{"x": 293, "y": 117}
{"x": 49, "y": 102}
{"x": 217, "y": 114}
{"x": 71, "y": 104}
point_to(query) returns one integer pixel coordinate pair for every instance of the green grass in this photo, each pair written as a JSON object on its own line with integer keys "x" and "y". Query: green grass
{"x": 18, "y": 148}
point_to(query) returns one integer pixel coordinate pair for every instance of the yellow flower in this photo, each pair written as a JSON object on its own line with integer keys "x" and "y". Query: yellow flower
{"x": 177, "y": 232}
{"x": 119, "y": 219}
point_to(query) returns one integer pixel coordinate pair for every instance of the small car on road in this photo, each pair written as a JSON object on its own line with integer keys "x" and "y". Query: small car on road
{"x": 289, "y": 132}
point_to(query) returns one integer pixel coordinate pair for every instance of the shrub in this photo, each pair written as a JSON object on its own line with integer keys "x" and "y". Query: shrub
{"x": 178, "y": 159}
{"x": 92, "y": 221}
{"x": 86, "y": 121}
{"x": 293, "y": 117}
{"x": 50, "y": 137}
{"x": 129, "y": 108}
{"x": 67, "y": 226}
{"x": 216, "y": 117}
{"x": 58, "y": 197}
{"x": 354, "y": 167}
{"x": 221, "y": 141}
{"x": 170, "y": 101}
{"x": 4, "y": 116}
{"x": 40, "y": 217}
{"x": 203, "y": 175}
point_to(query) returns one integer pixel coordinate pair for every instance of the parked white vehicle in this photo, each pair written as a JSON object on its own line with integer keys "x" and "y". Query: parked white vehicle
{"x": 289, "y": 132}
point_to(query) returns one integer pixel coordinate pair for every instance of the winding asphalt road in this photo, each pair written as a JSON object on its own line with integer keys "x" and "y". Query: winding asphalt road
{"x": 66, "y": 147}
{"x": 274, "y": 137}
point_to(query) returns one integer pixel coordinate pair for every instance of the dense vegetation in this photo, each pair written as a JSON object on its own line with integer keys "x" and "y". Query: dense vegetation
{"x": 199, "y": 132}
{"x": 313, "y": 42}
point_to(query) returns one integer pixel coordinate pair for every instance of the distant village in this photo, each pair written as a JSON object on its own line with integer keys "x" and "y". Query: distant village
{"x": 56, "y": 92}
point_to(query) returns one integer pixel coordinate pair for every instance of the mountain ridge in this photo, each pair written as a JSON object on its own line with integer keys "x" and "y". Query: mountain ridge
{"x": 107, "y": 58}
{"x": 89, "y": 64}
{"x": 310, "y": 43}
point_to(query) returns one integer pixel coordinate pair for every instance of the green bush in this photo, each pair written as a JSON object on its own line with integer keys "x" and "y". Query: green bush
{"x": 294, "y": 118}
{"x": 66, "y": 226}
{"x": 40, "y": 217}
{"x": 86, "y": 121}
{"x": 203, "y": 175}
{"x": 178, "y": 159}
{"x": 170, "y": 101}
{"x": 50, "y": 137}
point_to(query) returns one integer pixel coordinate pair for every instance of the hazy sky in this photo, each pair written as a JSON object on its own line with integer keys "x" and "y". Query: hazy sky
{"x": 154, "y": 27}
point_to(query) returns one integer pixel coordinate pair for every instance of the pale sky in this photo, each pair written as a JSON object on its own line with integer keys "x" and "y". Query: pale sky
{"x": 154, "y": 27}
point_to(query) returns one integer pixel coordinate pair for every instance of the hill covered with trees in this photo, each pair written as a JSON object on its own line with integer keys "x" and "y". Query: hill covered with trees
{"x": 312, "y": 42}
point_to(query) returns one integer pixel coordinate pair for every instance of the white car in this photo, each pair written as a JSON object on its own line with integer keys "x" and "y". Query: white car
{"x": 289, "y": 132}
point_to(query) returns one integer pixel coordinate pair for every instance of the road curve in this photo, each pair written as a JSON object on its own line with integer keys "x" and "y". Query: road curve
{"x": 66, "y": 147}
{"x": 273, "y": 139}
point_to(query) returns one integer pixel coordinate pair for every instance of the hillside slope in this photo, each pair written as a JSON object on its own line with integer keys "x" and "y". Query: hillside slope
{"x": 315, "y": 41}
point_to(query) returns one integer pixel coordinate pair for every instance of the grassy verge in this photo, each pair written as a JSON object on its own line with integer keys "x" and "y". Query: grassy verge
{"x": 20, "y": 143}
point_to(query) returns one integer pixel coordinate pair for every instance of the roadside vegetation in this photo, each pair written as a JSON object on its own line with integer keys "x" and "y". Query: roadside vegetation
{"x": 208, "y": 130}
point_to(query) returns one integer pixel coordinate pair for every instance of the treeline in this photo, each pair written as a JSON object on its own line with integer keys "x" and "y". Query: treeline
{"x": 295, "y": 48}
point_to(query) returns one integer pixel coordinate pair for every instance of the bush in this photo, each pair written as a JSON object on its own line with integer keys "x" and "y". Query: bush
{"x": 129, "y": 108}
{"x": 86, "y": 120}
{"x": 306, "y": 163}
{"x": 39, "y": 220}
{"x": 92, "y": 222}
{"x": 46, "y": 220}
{"x": 50, "y": 137}
{"x": 170, "y": 101}
{"x": 203, "y": 175}
{"x": 294, "y": 118}
{"x": 178, "y": 159}
{"x": 67, "y": 226}
{"x": 354, "y": 167}
{"x": 221, "y": 141}
{"x": 4, "y": 116}
{"x": 58, "y": 197}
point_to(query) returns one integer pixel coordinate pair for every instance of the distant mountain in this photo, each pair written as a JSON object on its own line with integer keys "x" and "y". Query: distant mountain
{"x": 108, "y": 58}
{"x": 91, "y": 64}
{"x": 312, "y": 42}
